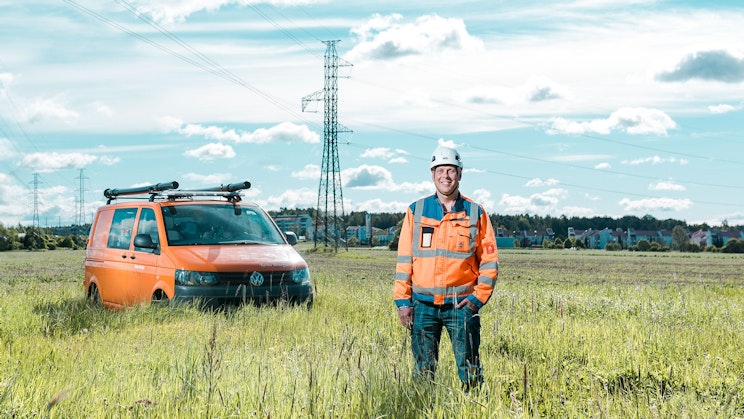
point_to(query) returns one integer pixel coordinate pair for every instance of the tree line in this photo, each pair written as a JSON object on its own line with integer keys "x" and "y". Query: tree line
{"x": 74, "y": 236}
{"x": 527, "y": 222}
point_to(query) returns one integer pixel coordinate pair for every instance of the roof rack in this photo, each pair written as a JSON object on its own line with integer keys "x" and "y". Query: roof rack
{"x": 170, "y": 191}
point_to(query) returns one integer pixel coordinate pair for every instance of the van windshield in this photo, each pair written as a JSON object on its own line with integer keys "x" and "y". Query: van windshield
{"x": 209, "y": 224}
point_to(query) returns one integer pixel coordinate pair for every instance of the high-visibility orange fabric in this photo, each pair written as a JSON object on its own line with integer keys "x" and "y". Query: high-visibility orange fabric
{"x": 446, "y": 257}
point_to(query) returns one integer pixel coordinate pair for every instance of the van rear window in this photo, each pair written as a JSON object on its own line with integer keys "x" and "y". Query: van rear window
{"x": 209, "y": 224}
{"x": 120, "y": 234}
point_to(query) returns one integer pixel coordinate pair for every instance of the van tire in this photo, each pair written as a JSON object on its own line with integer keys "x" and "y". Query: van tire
{"x": 94, "y": 296}
{"x": 159, "y": 298}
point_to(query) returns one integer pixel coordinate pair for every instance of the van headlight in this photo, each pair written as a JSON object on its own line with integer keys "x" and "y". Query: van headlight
{"x": 195, "y": 278}
{"x": 301, "y": 276}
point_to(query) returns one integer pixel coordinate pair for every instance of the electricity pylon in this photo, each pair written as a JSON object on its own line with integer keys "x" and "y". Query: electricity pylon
{"x": 35, "y": 220}
{"x": 81, "y": 200}
{"x": 330, "y": 194}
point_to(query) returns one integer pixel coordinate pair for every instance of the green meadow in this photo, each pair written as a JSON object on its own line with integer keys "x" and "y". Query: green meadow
{"x": 566, "y": 334}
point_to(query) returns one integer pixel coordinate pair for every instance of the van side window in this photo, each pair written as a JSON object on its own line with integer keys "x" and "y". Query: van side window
{"x": 147, "y": 225}
{"x": 120, "y": 234}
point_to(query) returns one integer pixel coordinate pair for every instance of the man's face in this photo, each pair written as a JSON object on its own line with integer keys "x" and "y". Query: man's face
{"x": 446, "y": 179}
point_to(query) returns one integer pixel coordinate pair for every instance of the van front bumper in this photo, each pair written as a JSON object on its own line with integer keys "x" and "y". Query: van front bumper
{"x": 242, "y": 294}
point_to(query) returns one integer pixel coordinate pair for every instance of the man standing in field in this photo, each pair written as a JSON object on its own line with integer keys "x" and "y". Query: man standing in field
{"x": 446, "y": 270}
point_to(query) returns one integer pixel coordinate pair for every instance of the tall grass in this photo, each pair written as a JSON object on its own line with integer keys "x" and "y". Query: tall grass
{"x": 566, "y": 334}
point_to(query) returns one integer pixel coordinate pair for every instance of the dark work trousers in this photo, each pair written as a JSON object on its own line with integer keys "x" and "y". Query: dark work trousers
{"x": 463, "y": 326}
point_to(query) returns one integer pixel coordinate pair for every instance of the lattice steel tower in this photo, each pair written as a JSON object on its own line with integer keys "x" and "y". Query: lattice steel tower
{"x": 35, "y": 220}
{"x": 80, "y": 221}
{"x": 328, "y": 220}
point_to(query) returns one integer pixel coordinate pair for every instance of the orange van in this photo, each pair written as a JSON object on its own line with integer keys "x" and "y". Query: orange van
{"x": 159, "y": 243}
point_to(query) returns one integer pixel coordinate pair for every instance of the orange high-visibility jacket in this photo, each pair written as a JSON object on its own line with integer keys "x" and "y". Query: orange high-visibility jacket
{"x": 444, "y": 258}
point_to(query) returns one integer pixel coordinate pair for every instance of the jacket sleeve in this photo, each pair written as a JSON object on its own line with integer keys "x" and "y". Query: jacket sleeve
{"x": 404, "y": 264}
{"x": 487, "y": 255}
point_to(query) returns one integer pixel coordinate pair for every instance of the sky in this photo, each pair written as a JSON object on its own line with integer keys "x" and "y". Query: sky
{"x": 575, "y": 108}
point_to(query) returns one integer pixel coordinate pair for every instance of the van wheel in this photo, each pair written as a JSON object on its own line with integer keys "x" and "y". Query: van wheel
{"x": 94, "y": 296}
{"x": 159, "y": 298}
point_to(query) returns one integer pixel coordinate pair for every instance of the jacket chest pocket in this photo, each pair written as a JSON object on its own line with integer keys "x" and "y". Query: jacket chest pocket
{"x": 458, "y": 236}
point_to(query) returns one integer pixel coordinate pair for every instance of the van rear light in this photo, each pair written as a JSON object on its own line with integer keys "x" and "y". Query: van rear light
{"x": 195, "y": 278}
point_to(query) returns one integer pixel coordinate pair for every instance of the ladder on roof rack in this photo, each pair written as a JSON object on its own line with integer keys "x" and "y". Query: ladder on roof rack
{"x": 230, "y": 191}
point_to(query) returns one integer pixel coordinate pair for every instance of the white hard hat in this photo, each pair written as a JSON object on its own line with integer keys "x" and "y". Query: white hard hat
{"x": 445, "y": 155}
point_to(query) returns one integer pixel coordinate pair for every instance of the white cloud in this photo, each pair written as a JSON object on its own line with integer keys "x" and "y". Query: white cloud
{"x": 628, "y": 120}
{"x": 718, "y": 65}
{"x": 654, "y": 204}
{"x": 722, "y": 108}
{"x": 108, "y": 160}
{"x": 377, "y": 153}
{"x": 446, "y": 143}
{"x": 654, "y": 160}
{"x": 50, "y": 162}
{"x": 102, "y": 109}
{"x": 535, "y": 89}
{"x": 286, "y": 132}
{"x": 571, "y": 211}
{"x": 368, "y": 177}
{"x": 385, "y": 38}
{"x": 310, "y": 171}
{"x": 6, "y": 149}
{"x": 537, "y": 182}
{"x": 603, "y": 165}
{"x": 214, "y": 179}
{"x": 49, "y": 109}
{"x": 378, "y": 205}
{"x": 666, "y": 186}
{"x": 483, "y": 197}
{"x": 211, "y": 151}
{"x": 392, "y": 156}
{"x": 293, "y": 198}
{"x": 539, "y": 203}
{"x": 169, "y": 12}
{"x": 6, "y": 80}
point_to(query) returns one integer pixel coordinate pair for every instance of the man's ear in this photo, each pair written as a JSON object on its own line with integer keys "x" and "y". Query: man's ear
{"x": 459, "y": 174}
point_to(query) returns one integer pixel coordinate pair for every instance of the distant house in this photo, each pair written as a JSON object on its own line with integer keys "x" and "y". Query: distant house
{"x": 663, "y": 237}
{"x": 358, "y": 232}
{"x": 301, "y": 224}
{"x": 597, "y": 239}
{"x": 529, "y": 238}
{"x": 726, "y": 235}
{"x": 702, "y": 238}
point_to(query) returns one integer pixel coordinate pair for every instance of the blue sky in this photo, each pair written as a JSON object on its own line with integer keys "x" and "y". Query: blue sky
{"x": 577, "y": 108}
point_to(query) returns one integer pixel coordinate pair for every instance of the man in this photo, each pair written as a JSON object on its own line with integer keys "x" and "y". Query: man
{"x": 446, "y": 270}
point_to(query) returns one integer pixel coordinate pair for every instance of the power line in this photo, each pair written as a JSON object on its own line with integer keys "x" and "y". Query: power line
{"x": 207, "y": 65}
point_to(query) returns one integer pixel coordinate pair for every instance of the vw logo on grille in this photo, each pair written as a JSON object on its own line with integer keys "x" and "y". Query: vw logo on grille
{"x": 257, "y": 279}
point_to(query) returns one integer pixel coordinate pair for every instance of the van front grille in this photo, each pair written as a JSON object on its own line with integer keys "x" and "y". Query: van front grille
{"x": 270, "y": 278}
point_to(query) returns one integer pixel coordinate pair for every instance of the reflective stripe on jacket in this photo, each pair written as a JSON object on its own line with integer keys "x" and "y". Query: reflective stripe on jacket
{"x": 443, "y": 258}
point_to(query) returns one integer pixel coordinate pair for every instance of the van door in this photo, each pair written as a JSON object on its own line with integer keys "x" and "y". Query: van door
{"x": 144, "y": 260}
{"x": 115, "y": 281}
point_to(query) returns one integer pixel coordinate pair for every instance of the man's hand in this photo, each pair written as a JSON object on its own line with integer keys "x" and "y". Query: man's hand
{"x": 467, "y": 302}
{"x": 406, "y": 316}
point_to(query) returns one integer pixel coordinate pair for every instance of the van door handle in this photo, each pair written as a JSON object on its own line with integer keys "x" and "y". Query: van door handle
{"x": 132, "y": 257}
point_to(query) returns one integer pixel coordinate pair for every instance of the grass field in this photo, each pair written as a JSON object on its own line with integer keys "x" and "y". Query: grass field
{"x": 566, "y": 334}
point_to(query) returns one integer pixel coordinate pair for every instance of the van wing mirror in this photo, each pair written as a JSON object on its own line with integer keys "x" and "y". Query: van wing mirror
{"x": 291, "y": 237}
{"x": 144, "y": 241}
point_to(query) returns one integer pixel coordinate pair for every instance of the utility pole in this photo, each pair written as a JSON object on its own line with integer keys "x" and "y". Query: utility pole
{"x": 81, "y": 200}
{"x": 35, "y": 220}
{"x": 330, "y": 195}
